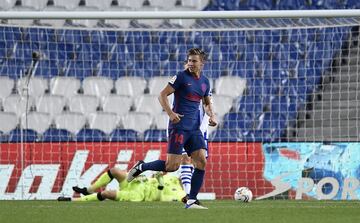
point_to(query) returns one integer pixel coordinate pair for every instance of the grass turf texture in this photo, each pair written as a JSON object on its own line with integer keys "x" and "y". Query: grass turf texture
{"x": 219, "y": 211}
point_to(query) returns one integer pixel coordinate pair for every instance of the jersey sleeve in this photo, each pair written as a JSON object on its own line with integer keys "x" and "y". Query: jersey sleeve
{"x": 176, "y": 81}
{"x": 208, "y": 90}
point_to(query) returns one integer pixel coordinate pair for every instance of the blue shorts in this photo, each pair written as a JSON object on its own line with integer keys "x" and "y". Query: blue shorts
{"x": 190, "y": 140}
{"x": 206, "y": 146}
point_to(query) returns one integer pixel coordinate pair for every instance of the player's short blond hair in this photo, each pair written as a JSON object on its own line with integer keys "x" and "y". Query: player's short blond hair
{"x": 197, "y": 51}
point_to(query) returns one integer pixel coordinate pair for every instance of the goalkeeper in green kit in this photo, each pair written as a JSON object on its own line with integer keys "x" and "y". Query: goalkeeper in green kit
{"x": 158, "y": 188}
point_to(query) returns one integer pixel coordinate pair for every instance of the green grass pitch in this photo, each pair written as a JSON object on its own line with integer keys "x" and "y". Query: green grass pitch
{"x": 277, "y": 211}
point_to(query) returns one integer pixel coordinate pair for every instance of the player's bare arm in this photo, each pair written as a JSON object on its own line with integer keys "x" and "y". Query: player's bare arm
{"x": 164, "y": 102}
{"x": 209, "y": 111}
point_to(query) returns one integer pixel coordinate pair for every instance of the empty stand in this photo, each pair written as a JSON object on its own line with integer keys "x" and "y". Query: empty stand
{"x": 38, "y": 121}
{"x": 131, "y": 86}
{"x": 157, "y": 84}
{"x": 22, "y": 135}
{"x": 118, "y": 104}
{"x": 70, "y": 121}
{"x": 123, "y": 135}
{"x": 57, "y": 135}
{"x": 155, "y": 135}
{"x": 233, "y": 86}
{"x": 98, "y": 86}
{"x": 6, "y": 87}
{"x": 138, "y": 121}
{"x": 161, "y": 120}
{"x": 84, "y": 104}
{"x": 18, "y": 104}
{"x": 91, "y": 135}
{"x": 34, "y": 86}
{"x": 104, "y": 121}
{"x": 222, "y": 104}
{"x": 36, "y": 4}
{"x": 65, "y": 86}
{"x": 148, "y": 103}
{"x": 8, "y": 121}
{"x": 52, "y": 104}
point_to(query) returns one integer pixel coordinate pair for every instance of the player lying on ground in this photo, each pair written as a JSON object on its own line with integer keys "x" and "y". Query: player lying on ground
{"x": 158, "y": 188}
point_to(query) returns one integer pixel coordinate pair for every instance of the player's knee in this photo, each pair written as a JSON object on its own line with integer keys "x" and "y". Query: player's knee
{"x": 171, "y": 167}
{"x": 200, "y": 163}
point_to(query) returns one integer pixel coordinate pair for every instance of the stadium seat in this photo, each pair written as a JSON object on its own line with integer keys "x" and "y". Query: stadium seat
{"x": 46, "y": 69}
{"x": 157, "y": 83}
{"x": 97, "y": 86}
{"x": 69, "y": 4}
{"x": 53, "y": 22}
{"x": 18, "y": 104}
{"x": 222, "y": 104}
{"x": 161, "y": 120}
{"x": 119, "y": 23}
{"x": 102, "y": 5}
{"x": 91, "y": 135}
{"x": 57, "y": 135}
{"x": 138, "y": 121}
{"x": 148, "y": 103}
{"x": 8, "y": 121}
{"x": 165, "y": 4}
{"x": 38, "y": 121}
{"x": 37, "y": 4}
{"x": 6, "y": 87}
{"x": 130, "y": 86}
{"x": 88, "y": 23}
{"x": 119, "y": 104}
{"x": 123, "y": 135}
{"x": 155, "y": 135}
{"x": 230, "y": 85}
{"x": 65, "y": 86}
{"x": 22, "y": 22}
{"x": 224, "y": 135}
{"x": 52, "y": 104}
{"x": 185, "y": 23}
{"x": 70, "y": 121}
{"x": 22, "y": 135}
{"x": 7, "y": 4}
{"x": 104, "y": 121}
{"x": 36, "y": 86}
{"x": 84, "y": 104}
{"x": 150, "y": 22}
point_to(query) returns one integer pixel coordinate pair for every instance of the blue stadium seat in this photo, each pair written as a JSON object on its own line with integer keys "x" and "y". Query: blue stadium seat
{"x": 79, "y": 69}
{"x": 235, "y": 120}
{"x": 225, "y": 135}
{"x": 3, "y": 137}
{"x": 155, "y": 135}
{"x": 91, "y": 135}
{"x": 27, "y": 135}
{"x": 14, "y": 67}
{"x": 47, "y": 69}
{"x": 57, "y": 135}
{"x": 123, "y": 135}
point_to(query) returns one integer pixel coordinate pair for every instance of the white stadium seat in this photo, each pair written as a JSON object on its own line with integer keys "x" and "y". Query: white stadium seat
{"x": 8, "y": 121}
{"x": 6, "y": 87}
{"x": 119, "y": 104}
{"x": 65, "y": 86}
{"x": 156, "y": 84}
{"x": 38, "y": 121}
{"x": 233, "y": 86}
{"x": 71, "y": 121}
{"x": 35, "y": 86}
{"x": 161, "y": 121}
{"x": 222, "y": 104}
{"x": 104, "y": 121}
{"x": 99, "y": 86}
{"x": 84, "y": 104}
{"x": 131, "y": 86}
{"x": 138, "y": 121}
{"x": 148, "y": 103}
{"x": 18, "y": 104}
{"x": 52, "y": 104}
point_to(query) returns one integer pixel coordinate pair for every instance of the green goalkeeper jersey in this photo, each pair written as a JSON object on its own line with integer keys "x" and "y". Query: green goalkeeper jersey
{"x": 146, "y": 189}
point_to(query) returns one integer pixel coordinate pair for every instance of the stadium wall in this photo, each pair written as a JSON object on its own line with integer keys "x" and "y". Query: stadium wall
{"x": 49, "y": 170}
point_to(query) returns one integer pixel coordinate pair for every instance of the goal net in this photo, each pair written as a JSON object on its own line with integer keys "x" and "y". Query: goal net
{"x": 77, "y": 100}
